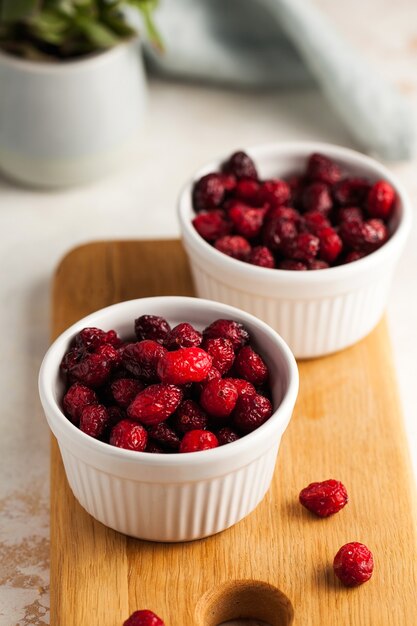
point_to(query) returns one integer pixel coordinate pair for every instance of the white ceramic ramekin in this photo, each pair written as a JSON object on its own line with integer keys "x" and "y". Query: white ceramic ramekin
{"x": 316, "y": 312}
{"x": 177, "y": 497}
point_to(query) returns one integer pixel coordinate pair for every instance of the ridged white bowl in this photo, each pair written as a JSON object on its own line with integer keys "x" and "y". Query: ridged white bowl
{"x": 176, "y": 497}
{"x": 316, "y": 312}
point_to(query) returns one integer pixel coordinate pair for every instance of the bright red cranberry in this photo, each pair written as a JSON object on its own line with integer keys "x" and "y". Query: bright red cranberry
{"x": 129, "y": 435}
{"x": 354, "y": 255}
{"x": 196, "y": 440}
{"x": 164, "y": 435}
{"x": 240, "y": 165}
{"x": 323, "y": 169}
{"x": 318, "y": 264}
{"x": 349, "y": 214}
{"x": 91, "y": 339}
{"x": 251, "y": 412}
{"x": 244, "y": 387}
{"x": 141, "y": 359}
{"x": 317, "y": 197}
{"x": 76, "y": 398}
{"x": 364, "y": 236}
{"x": 246, "y": 220}
{"x": 235, "y": 246}
{"x": 183, "y": 336}
{"x": 290, "y": 264}
{"x": 155, "y": 403}
{"x": 283, "y": 213}
{"x": 226, "y": 435}
{"x": 351, "y": 191}
{"x": 151, "y": 327}
{"x": 262, "y": 257}
{"x": 353, "y": 564}
{"x": 275, "y": 192}
{"x": 219, "y": 398}
{"x": 213, "y": 374}
{"x": 381, "y": 200}
{"x": 305, "y": 247}
{"x": 186, "y": 365}
{"x": 330, "y": 244}
{"x": 277, "y": 233}
{"x": 209, "y": 192}
{"x": 247, "y": 190}
{"x": 314, "y": 221}
{"x": 189, "y": 416}
{"x": 143, "y": 618}
{"x": 94, "y": 419}
{"x": 222, "y": 353}
{"x": 250, "y": 366}
{"x": 212, "y": 225}
{"x": 229, "y": 329}
{"x": 124, "y": 390}
{"x": 325, "y": 498}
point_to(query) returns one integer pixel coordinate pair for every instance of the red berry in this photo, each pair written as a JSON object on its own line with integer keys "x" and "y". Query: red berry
{"x": 153, "y": 448}
{"x": 75, "y": 399}
{"x": 155, "y": 403}
{"x": 196, "y": 440}
{"x": 351, "y": 191}
{"x": 116, "y": 414}
{"x": 314, "y": 220}
{"x": 262, "y": 257}
{"x": 325, "y": 498}
{"x": 381, "y": 200}
{"x": 94, "y": 419}
{"x": 349, "y": 214}
{"x": 244, "y": 387}
{"x": 278, "y": 233}
{"x": 129, "y": 435}
{"x": 213, "y": 374}
{"x": 330, "y": 244}
{"x": 240, "y": 165}
{"x": 124, "y": 390}
{"x": 70, "y": 358}
{"x": 250, "y": 366}
{"x": 219, "y": 398}
{"x": 143, "y": 618}
{"x": 275, "y": 192}
{"x": 296, "y": 184}
{"x": 290, "y": 264}
{"x": 364, "y": 236}
{"x": 247, "y": 190}
{"x": 229, "y": 329}
{"x": 186, "y": 365}
{"x": 316, "y": 197}
{"x": 235, "y": 246}
{"x": 323, "y": 169}
{"x": 212, "y": 225}
{"x": 183, "y": 336}
{"x": 141, "y": 359}
{"x": 354, "y": 255}
{"x": 91, "y": 339}
{"x": 318, "y": 264}
{"x": 246, "y": 220}
{"x": 353, "y": 564}
{"x": 94, "y": 369}
{"x": 164, "y": 435}
{"x": 222, "y": 353}
{"x": 283, "y": 213}
{"x": 209, "y": 192}
{"x": 251, "y": 412}
{"x": 189, "y": 417}
{"x": 304, "y": 248}
{"x": 226, "y": 435}
{"x": 151, "y": 327}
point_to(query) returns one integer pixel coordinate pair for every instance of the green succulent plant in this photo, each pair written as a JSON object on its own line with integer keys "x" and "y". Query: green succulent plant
{"x": 62, "y": 29}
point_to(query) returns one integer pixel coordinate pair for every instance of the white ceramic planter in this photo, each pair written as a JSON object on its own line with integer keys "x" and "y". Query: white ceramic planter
{"x": 70, "y": 122}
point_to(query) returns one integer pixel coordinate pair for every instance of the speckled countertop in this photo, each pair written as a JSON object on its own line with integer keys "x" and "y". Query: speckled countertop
{"x": 37, "y": 228}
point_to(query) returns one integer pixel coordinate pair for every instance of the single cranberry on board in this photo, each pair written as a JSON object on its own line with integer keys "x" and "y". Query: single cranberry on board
{"x": 197, "y": 440}
{"x": 353, "y": 564}
{"x": 324, "y": 498}
{"x": 186, "y": 365}
{"x": 143, "y": 618}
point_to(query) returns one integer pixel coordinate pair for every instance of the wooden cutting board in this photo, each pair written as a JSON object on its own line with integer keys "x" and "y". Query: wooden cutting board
{"x": 276, "y": 564}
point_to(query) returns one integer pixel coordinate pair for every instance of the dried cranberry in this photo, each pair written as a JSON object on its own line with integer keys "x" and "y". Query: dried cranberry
{"x": 186, "y": 365}
{"x": 317, "y": 197}
{"x": 124, "y": 390}
{"x": 91, "y": 339}
{"x": 354, "y": 255}
{"x": 189, "y": 416}
{"x": 283, "y": 213}
{"x": 116, "y": 414}
{"x": 235, "y": 246}
{"x": 240, "y": 165}
{"x": 381, "y": 200}
{"x": 93, "y": 370}
{"x": 155, "y": 404}
{"x": 93, "y": 420}
{"x": 141, "y": 359}
{"x": 290, "y": 264}
{"x": 304, "y": 248}
{"x": 323, "y": 169}
{"x": 314, "y": 220}
{"x": 229, "y": 329}
{"x": 143, "y": 618}
{"x": 318, "y": 264}
{"x": 164, "y": 435}
{"x": 209, "y": 192}
{"x": 222, "y": 353}
{"x": 262, "y": 257}
{"x": 349, "y": 214}
{"x": 69, "y": 360}
{"x": 364, "y": 236}
{"x": 219, "y": 398}
{"x": 275, "y": 192}
{"x": 325, "y": 498}
{"x": 183, "y": 336}
{"x": 213, "y": 374}
{"x": 351, "y": 191}
{"x": 226, "y": 435}
{"x": 246, "y": 220}
{"x": 296, "y": 184}
{"x": 251, "y": 412}
{"x": 250, "y": 366}
{"x": 330, "y": 244}
{"x": 76, "y": 398}
{"x": 129, "y": 435}
{"x": 244, "y": 387}
{"x": 353, "y": 564}
{"x": 153, "y": 448}
{"x": 277, "y": 233}
{"x": 212, "y": 226}
{"x": 247, "y": 190}
{"x": 197, "y": 440}
{"x": 151, "y": 327}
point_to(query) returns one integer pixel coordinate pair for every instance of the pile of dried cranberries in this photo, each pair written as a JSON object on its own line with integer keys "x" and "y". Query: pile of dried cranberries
{"x": 167, "y": 389}
{"x": 312, "y": 220}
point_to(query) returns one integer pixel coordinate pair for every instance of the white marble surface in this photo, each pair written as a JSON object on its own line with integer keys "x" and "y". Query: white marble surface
{"x": 187, "y": 125}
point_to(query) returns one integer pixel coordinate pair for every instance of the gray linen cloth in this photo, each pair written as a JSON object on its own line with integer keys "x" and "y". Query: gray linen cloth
{"x": 259, "y": 43}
